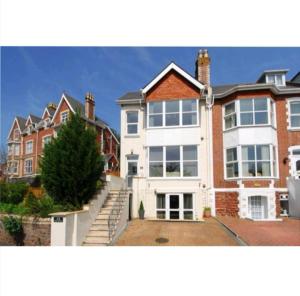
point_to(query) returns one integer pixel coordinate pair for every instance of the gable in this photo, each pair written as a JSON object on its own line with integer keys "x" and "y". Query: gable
{"x": 63, "y": 106}
{"x": 28, "y": 121}
{"x": 13, "y": 128}
{"x": 45, "y": 114}
{"x": 173, "y": 86}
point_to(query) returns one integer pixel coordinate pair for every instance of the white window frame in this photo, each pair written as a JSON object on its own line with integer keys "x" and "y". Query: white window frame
{"x": 273, "y": 161}
{"x": 180, "y": 114}
{"x": 26, "y": 150}
{"x": 15, "y": 167}
{"x": 26, "y": 172}
{"x": 10, "y": 149}
{"x": 17, "y": 153}
{"x": 275, "y": 75}
{"x": 43, "y": 140}
{"x": 270, "y": 104}
{"x": 181, "y": 161}
{"x": 231, "y": 162}
{"x": 289, "y": 101}
{"x": 62, "y": 118}
{"x": 17, "y": 137}
{"x": 132, "y": 123}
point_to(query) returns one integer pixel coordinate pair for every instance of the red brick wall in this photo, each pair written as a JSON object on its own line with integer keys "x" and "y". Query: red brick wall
{"x": 63, "y": 107}
{"x": 172, "y": 86}
{"x": 227, "y": 204}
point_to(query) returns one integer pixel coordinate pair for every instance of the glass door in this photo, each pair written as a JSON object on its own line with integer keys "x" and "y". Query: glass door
{"x": 174, "y": 206}
{"x": 255, "y": 207}
{"x": 132, "y": 165}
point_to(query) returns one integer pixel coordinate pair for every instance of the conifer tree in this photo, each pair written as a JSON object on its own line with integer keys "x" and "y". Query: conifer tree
{"x": 72, "y": 163}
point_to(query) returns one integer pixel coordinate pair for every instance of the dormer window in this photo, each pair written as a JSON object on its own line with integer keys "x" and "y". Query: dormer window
{"x": 277, "y": 79}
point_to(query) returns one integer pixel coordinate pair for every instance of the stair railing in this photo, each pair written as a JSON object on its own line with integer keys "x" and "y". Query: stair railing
{"x": 115, "y": 213}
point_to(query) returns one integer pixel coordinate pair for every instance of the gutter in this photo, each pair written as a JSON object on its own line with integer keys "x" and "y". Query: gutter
{"x": 273, "y": 88}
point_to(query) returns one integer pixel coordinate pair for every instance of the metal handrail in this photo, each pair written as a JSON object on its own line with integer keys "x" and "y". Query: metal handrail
{"x": 115, "y": 213}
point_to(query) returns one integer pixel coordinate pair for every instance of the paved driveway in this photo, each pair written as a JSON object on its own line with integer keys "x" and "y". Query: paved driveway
{"x": 254, "y": 233}
{"x": 146, "y": 233}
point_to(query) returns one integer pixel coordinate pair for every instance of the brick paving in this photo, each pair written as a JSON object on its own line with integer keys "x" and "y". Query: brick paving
{"x": 145, "y": 233}
{"x": 267, "y": 233}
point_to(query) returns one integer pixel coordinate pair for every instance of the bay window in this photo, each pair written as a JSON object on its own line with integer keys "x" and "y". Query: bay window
{"x": 250, "y": 161}
{"x": 173, "y": 113}
{"x": 132, "y": 122}
{"x": 294, "y": 114}
{"x": 173, "y": 161}
{"x": 248, "y": 112}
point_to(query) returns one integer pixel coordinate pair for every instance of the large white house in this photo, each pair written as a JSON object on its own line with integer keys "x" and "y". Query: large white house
{"x": 165, "y": 144}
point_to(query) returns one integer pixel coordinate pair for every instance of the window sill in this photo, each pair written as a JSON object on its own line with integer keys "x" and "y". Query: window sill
{"x": 294, "y": 129}
{"x": 250, "y": 126}
{"x": 173, "y": 126}
{"x": 173, "y": 178}
{"x": 132, "y": 136}
{"x": 251, "y": 178}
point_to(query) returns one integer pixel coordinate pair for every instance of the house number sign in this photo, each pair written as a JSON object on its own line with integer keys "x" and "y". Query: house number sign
{"x": 58, "y": 219}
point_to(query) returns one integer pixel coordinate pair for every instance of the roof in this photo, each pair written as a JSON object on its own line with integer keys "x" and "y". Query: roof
{"x": 34, "y": 118}
{"x": 131, "y": 96}
{"x": 75, "y": 104}
{"x": 21, "y": 122}
{"x": 296, "y": 78}
{"x": 179, "y": 70}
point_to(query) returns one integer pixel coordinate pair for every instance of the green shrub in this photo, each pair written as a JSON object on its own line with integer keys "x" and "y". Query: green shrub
{"x": 32, "y": 204}
{"x": 13, "y": 192}
{"x": 14, "y": 227}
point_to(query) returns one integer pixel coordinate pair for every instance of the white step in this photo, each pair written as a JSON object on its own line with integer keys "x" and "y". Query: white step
{"x": 100, "y": 222}
{"x": 94, "y": 245}
{"x": 96, "y": 240}
{"x": 98, "y": 233}
{"x": 99, "y": 227}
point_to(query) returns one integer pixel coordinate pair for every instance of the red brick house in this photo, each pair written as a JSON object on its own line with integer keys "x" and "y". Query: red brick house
{"x": 256, "y": 145}
{"x": 27, "y": 137}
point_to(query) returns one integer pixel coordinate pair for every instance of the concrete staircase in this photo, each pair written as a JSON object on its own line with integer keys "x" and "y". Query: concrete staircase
{"x": 103, "y": 228}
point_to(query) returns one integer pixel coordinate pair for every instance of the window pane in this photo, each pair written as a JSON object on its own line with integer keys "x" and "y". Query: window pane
{"x": 156, "y": 169}
{"x": 230, "y": 108}
{"x": 190, "y": 169}
{"x": 172, "y": 106}
{"x": 249, "y": 169}
{"x": 271, "y": 78}
{"x": 132, "y": 157}
{"x": 231, "y": 154}
{"x": 190, "y": 153}
{"x": 295, "y": 107}
{"x": 172, "y": 119}
{"x": 155, "y": 107}
{"x": 132, "y": 117}
{"x": 161, "y": 214}
{"x": 189, "y": 105}
{"x": 132, "y": 129}
{"x": 295, "y": 121}
{"x": 172, "y": 169}
{"x": 246, "y": 118}
{"x": 246, "y": 105}
{"x": 188, "y": 201}
{"x": 174, "y": 214}
{"x": 189, "y": 118}
{"x": 188, "y": 215}
{"x": 248, "y": 153}
{"x": 230, "y": 121}
{"x": 156, "y": 154}
{"x": 298, "y": 165}
{"x": 262, "y": 152}
{"x": 263, "y": 168}
{"x": 132, "y": 168}
{"x": 174, "y": 202}
{"x": 173, "y": 153}
{"x": 296, "y": 152}
{"x": 279, "y": 79}
{"x": 160, "y": 201}
{"x": 155, "y": 120}
{"x": 232, "y": 170}
{"x": 260, "y": 104}
{"x": 261, "y": 117}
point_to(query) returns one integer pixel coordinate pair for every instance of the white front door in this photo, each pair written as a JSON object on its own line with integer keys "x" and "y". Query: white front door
{"x": 257, "y": 207}
{"x": 175, "y": 206}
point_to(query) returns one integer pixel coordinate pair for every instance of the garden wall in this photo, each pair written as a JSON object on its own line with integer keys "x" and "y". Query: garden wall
{"x": 37, "y": 232}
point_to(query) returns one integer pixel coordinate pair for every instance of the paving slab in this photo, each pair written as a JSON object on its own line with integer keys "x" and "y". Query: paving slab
{"x": 265, "y": 233}
{"x": 165, "y": 233}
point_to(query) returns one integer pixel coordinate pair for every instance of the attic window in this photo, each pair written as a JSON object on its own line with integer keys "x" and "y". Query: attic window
{"x": 277, "y": 79}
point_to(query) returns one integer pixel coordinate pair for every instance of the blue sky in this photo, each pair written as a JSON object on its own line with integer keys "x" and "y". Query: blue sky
{"x": 33, "y": 76}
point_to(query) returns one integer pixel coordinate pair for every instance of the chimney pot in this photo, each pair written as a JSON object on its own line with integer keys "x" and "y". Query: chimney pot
{"x": 89, "y": 106}
{"x": 203, "y": 67}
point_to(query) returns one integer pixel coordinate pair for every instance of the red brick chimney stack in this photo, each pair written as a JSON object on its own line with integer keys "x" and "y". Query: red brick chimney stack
{"x": 89, "y": 106}
{"x": 203, "y": 67}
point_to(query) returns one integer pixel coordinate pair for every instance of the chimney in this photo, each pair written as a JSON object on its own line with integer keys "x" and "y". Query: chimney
{"x": 203, "y": 67}
{"x": 89, "y": 106}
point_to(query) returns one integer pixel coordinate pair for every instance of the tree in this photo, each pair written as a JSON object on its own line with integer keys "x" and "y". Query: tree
{"x": 72, "y": 163}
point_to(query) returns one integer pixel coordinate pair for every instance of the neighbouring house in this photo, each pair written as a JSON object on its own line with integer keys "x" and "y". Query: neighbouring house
{"x": 28, "y": 136}
{"x": 165, "y": 144}
{"x": 256, "y": 147}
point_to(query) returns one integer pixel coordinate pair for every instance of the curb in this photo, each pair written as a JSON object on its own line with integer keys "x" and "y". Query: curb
{"x": 239, "y": 239}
